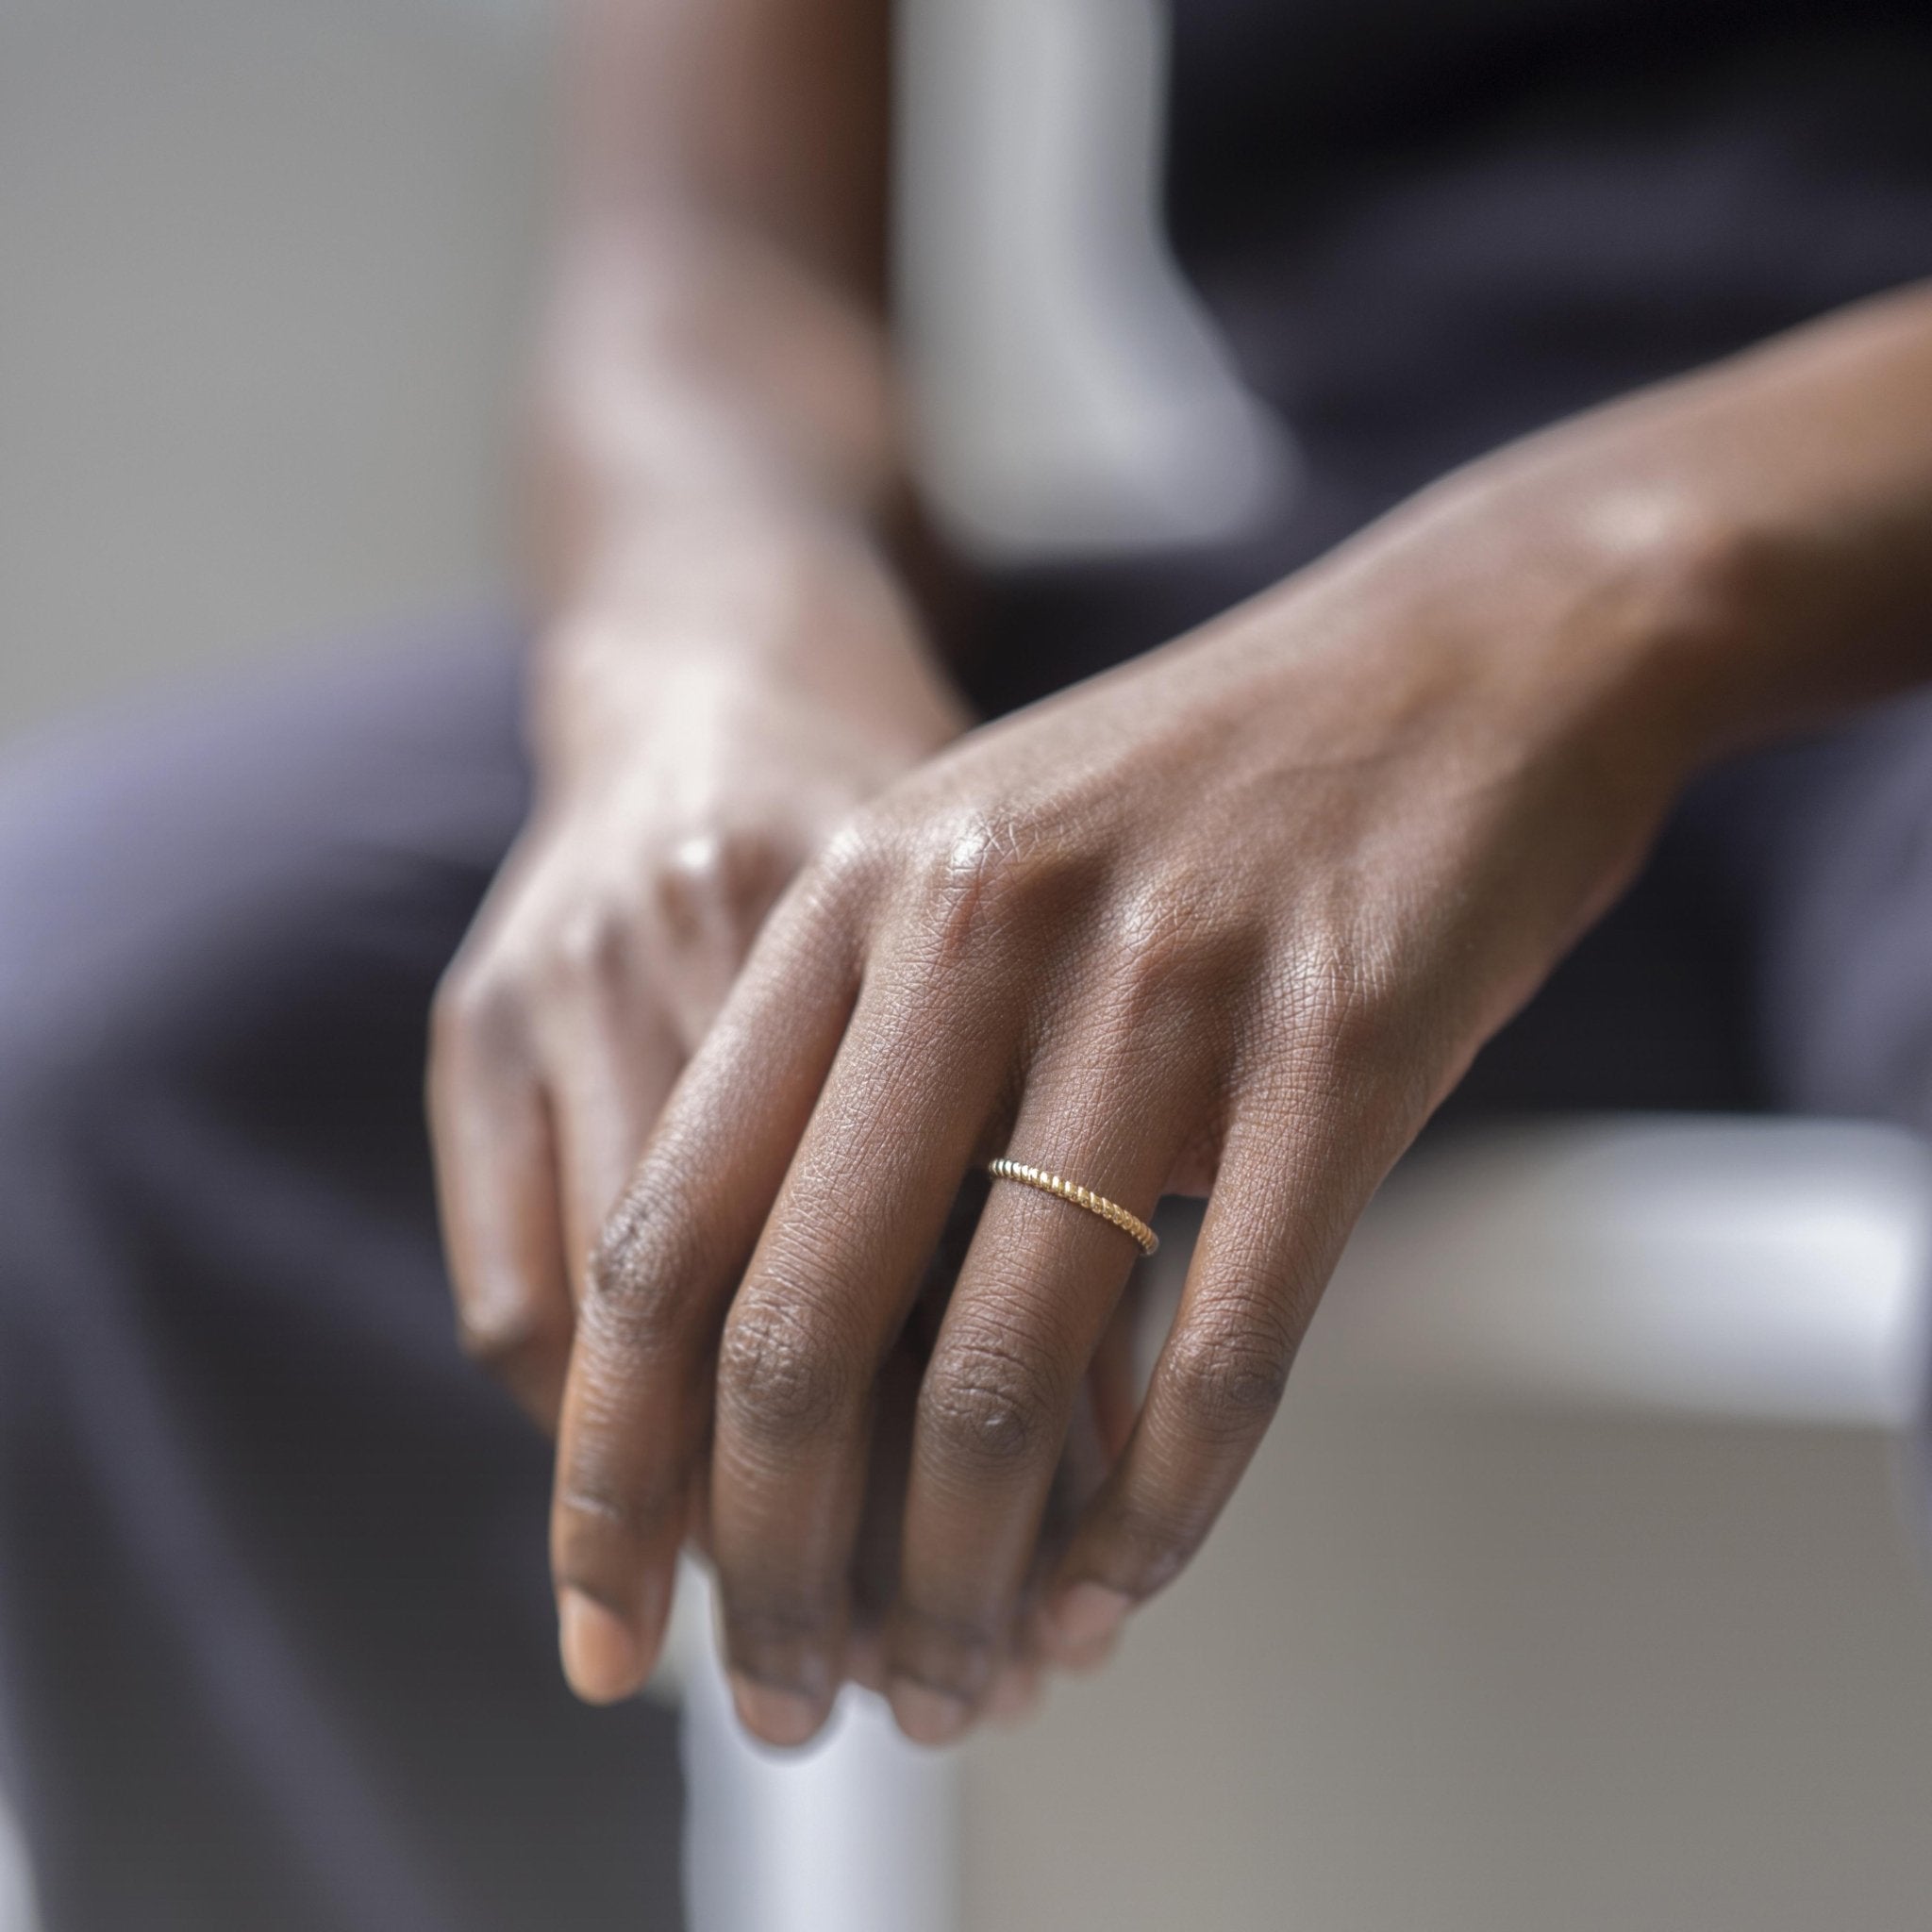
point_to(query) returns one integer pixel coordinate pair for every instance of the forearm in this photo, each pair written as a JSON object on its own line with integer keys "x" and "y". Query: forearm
{"x": 1762, "y": 527}
{"x": 1815, "y": 455}
{"x": 715, "y": 348}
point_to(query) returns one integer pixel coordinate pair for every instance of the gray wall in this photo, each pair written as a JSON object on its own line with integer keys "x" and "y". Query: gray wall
{"x": 1496, "y": 1672}
{"x": 264, "y": 267}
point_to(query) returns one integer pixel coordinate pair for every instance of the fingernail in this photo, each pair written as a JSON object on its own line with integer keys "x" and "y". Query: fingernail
{"x": 1015, "y": 1694}
{"x": 602, "y": 1658}
{"x": 1081, "y": 1661}
{"x": 779, "y": 1717}
{"x": 928, "y": 1716}
{"x": 1084, "y": 1624}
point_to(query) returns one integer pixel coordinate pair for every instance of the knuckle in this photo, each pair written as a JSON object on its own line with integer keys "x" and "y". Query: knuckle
{"x": 474, "y": 1003}
{"x": 1351, "y": 999}
{"x": 1161, "y": 935}
{"x": 982, "y": 877}
{"x": 508, "y": 1342}
{"x": 848, "y": 865}
{"x": 590, "y": 947}
{"x": 729, "y": 874}
{"x": 649, "y": 1254}
{"x": 989, "y": 1405}
{"x": 610, "y": 1506}
{"x": 1178, "y": 952}
{"x": 781, "y": 1379}
{"x": 1228, "y": 1372}
{"x": 678, "y": 902}
{"x": 600, "y": 1523}
{"x": 1322, "y": 1029}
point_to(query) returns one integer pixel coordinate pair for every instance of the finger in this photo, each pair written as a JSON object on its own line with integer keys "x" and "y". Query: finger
{"x": 827, "y": 1294}
{"x": 496, "y": 1191}
{"x": 1015, "y": 1694}
{"x": 874, "y": 1571}
{"x": 875, "y": 1557}
{"x": 1281, "y": 1208}
{"x": 1113, "y": 1382}
{"x": 1076, "y": 1481}
{"x": 637, "y": 1405}
{"x": 1033, "y": 1303}
{"x": 711, "y": 896}
{"x": 1020, "y": 1681}
{"x": 609, "y": 1075}
{"x": 1083, "y": 1470}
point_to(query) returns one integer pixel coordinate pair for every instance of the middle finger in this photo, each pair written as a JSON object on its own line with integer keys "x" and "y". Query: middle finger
{"x": 1034, "y": 1301}
{"x": 827, "y": 1293}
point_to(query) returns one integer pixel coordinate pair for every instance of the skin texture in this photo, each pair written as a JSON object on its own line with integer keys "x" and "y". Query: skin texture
{"x": 727, "y": 663}
{"x": 1231, "y": 920}
{"x": 729, "y": 660}
{"x": 697, "y": 745}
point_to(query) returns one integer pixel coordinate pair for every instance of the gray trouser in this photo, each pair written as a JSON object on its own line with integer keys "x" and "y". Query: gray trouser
{"x": 277, "y": 1649}
{"x": 275, "y": 1642}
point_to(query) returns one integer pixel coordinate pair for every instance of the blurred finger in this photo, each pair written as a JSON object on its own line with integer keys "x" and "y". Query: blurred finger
{"x": 610, "y": 1076}
{"x": 497, "y": 1168}
{"x": 712, "y": 896}
{"x": 1281, "y": 1209}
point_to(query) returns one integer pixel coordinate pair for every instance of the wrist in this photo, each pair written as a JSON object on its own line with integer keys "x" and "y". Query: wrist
{"x": 1775, "y": 512}
{"x": 691, "y": 370}
{"x": 714, "y": 614}
{"x": 710, "y": 574}
{"x": 1612, "y": 601}
{"x": 1546, "y": 609}
{"x": 1703, "y": 565}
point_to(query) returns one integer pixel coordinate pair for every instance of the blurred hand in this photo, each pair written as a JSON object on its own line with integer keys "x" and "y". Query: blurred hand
{"x": 700, "y": 726}
{"x": 1234, "y": 918}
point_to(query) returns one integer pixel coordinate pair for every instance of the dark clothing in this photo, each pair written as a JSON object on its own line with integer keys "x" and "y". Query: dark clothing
{"x": 275, "y": 1642}
{"x": 1430, "y": 228}
{"x": 1426, "y": 226}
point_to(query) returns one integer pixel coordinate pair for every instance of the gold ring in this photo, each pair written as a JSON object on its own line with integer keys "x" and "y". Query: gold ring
{"x": 1081, "y": 1198}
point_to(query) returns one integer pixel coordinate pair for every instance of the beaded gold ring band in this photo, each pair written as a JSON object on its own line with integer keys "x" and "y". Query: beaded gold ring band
{"x": 1131, "y": 1224}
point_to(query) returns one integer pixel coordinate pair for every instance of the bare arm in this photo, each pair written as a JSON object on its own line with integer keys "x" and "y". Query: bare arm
{"x": 1232, "y": 919}
{"x": 727, "y": 664}
{"x": 717, "y": 335}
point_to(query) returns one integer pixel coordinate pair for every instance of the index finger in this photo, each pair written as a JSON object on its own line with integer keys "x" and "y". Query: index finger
{"x": 636, "y": 1404}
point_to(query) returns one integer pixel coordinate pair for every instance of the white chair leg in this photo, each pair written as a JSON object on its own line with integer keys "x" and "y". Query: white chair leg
{"x": 859, "y": 1833}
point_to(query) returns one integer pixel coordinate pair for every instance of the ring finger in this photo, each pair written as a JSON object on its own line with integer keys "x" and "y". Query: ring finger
{"x": 1038, "y": 1288}
{"x": 827, "y": 1293}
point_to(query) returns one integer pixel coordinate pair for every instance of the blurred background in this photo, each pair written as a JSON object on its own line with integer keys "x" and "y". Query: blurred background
{"x": 266, "y": 269}
{"x": 1495, "y": 1658}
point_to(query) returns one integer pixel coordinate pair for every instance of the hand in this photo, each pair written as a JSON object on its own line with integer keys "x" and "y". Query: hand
{"x": 700, "y": 727}
{"x": 1102, "y": 1416}
{"x": 1233, "y": 919}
